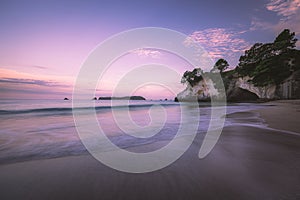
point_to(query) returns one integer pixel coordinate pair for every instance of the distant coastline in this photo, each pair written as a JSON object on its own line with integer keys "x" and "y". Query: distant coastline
{"x": 123, "y": 98}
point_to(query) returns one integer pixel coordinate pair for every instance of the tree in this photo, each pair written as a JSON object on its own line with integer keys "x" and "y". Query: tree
{"x": 270, "y": 63}
{"x": 285, "y": 40}
{"x": 220, "y": 65}
{"x": 192, "y": 77}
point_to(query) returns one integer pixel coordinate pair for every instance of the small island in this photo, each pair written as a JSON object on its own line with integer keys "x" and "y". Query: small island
{"x": 122, "y": 98}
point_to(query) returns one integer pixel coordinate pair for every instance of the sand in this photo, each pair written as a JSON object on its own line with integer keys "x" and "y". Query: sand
{"x": 282, "y": 115}
{"x": 247, "y": 163}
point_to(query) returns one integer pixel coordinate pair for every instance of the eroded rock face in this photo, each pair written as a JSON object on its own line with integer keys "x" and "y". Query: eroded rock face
{"x": 202, "y": 91}
{"x": 266, "y": 92}
{"x": 241, "y": 95}
{"x": 290, "y": 87}
{"x": 240, "y": 89}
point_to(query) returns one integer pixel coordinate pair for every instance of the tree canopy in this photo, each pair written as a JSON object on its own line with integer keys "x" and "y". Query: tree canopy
{"x": 192, "y": 77}
{"x": 271, "y": 63}
{"x": 264, "y": 63}
{"x": 220, "y": 65}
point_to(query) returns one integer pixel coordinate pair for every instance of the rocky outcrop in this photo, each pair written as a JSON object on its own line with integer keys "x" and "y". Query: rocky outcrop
{"x": 237, "y": 90}
{"x": 266, "y": 92}
{"x": 202, "y": 91}
{"x": 289, "y": 88}
{"x": 241, "y": 95}
{"x": 240, "y": 89}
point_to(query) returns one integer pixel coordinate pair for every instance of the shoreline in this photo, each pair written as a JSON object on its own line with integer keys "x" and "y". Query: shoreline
{"x": 246, "y": 163}
{"x": 286, "y": 117}
{"x": 278, "y": 115}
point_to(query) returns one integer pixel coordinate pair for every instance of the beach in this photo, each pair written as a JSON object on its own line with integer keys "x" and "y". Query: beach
{"x": 149, "y": 100}
{"x": 283, "y": 116}
{"x": 248, "y": 162}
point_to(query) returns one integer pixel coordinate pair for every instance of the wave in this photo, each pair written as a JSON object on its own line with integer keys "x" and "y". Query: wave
{"x": 67, "y": 110}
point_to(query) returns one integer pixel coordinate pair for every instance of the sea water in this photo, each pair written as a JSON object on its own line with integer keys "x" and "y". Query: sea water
{"x": 37, "y": 129}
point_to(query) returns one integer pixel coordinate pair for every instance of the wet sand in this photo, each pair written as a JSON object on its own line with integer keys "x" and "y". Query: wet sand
{"x": 247, "y": 163}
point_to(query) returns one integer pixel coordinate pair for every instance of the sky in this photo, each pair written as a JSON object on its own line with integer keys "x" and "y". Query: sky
{"x": 43, "y": 44}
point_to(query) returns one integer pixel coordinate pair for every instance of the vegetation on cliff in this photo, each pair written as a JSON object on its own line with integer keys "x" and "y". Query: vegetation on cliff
{"x": 192, "y": 77}
{"x": 263, "y": 64}
{"x": 220, "y": 66}
{"x": 270, "y": 63}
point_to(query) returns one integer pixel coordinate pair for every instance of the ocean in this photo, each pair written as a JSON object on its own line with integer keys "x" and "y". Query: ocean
{"x": 38, "y": 129}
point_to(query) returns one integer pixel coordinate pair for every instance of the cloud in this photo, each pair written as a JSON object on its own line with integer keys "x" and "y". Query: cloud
{"x": 220, "y": 43}
{"x": 12, "y": 91}
{"x": 144, "y": 52}
{"x": 288, "y": 12}
{"x": 31, "y": 82}
{"x": 38, "y": 67}
{"x": 293, "y": 24}
{"x": 13, "y": 74}
{"x": 15, "y": 84}
{"x": 29, "y": 88}
{"x": 284, "y": 8}
{"x": 258, "y": 24}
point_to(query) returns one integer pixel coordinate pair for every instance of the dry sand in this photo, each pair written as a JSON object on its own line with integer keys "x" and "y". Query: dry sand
{"x": 283, "y": 115}
{"x": 247, "y": 163}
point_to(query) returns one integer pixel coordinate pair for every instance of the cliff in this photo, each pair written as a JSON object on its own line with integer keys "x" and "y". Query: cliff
{"x": 201, "y": 91}
{"x": 241, "y": 89}
{"x": 265, "y": 71}
{"x": 289, "y": 88}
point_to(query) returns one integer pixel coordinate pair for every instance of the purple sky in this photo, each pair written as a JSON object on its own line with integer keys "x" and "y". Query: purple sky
{"x": 44, "y": 43}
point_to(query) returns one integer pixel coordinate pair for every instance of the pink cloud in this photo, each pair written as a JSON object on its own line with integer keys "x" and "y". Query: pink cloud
{"x": 143, "y": 52}
{"x": 289, "y": 13}
{"x": 220, "y": 43}
{"x": 258, "y": 24}
{"x": 15, "y": 84}
{"x": 285, "y": 8}
{"x": 292, "y": 23}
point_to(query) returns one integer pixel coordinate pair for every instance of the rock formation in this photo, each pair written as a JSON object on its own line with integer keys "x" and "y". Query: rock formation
{"x": 241, "y": 89}
{"x": 201, "y": 91}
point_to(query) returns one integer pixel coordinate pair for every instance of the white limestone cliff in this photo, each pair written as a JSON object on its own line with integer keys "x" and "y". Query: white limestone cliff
{"x": 203, "y": 90}
{"x": 266, "y": 92}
